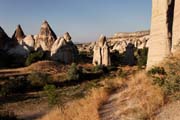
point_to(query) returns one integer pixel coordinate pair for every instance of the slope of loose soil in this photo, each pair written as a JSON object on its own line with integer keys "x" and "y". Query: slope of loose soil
{"x": 169, "y": 112}
{"x": 139, "y": 100}
{"x": 49, "y": 67}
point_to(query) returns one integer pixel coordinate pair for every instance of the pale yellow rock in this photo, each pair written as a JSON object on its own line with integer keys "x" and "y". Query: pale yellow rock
{"x": 159, "y": 43}
{"x": 101, "y": 54}
{"x": 176, "y": 27}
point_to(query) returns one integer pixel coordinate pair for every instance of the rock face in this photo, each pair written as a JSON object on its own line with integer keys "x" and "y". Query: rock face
{"x": 120, "y": 40}
{"x": 176, "y": 26}
{"x": 101, "y": 52}
{"x": 18, "y": 34}
{"x": 46, "y": 37}
{"x": 29, "y": 43}
{"x": 165, "y": 28}
{"x": 5, "y": 41}
{"x": 64, "y": 50}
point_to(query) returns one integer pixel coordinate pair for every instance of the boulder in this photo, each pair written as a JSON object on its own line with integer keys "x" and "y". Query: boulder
{"x": 101, "y": 54}
{"x": 46, "y": 37}
{"x": 64, "y": 50}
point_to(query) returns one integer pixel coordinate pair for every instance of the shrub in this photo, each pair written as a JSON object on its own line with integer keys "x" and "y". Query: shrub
{"x": 73, "y": 72}
{"x": 102, "y": 68}
{"x": 141, "y": 56}
{"x": 50, "y": 91}
{"x": 17, "y": 85}
{"x": 169, "y": 81}
{"x": 38, "y": 79}
{"x": 34, "y": 57}
{"x": 6, "y": 115}
{"x": 157, "y": 70}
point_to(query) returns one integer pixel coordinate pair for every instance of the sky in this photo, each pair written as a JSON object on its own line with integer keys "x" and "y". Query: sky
{"x": 85, "y": 20}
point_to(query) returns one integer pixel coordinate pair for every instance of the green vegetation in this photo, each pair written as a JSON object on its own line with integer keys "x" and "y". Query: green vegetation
{"x": 157, "y": 70}
{"x": 73, "y": 72}
{"x": 168, "y": 80}
{"x": 141, "y": 57}
{"x": 50, "y": 91}
{"x": 6, "y": 115}
{"x": 38, "y": 79}
{"x": 34, "y": 57}
{"x": 17, "y": 85}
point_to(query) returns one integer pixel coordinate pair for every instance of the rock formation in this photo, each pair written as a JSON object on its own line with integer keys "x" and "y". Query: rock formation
{"x": 64, "y": 50}
{"x": 18, "y": 34}
{"x": 165, "y": 28}
{"x": 101, "y": 52}
{"x": 5, "y": 41}
{"x": 29, "y": 43}
{"x": 120, "y": 40}
{"x": 46, "y": 37}
{"x": 176, "y": 27}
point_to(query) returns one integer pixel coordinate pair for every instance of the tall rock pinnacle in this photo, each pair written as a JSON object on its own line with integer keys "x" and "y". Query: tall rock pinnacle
{"x": 46, "y": 36}
{"x": 18, "y": 34}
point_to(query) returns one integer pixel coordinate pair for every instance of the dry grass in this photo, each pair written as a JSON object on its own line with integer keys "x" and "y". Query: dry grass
{"x": 83, "y": 109}
{"x": 138, "y": 101}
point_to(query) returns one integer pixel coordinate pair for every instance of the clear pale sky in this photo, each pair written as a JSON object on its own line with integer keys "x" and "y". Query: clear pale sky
{"x": 85, "y": 20}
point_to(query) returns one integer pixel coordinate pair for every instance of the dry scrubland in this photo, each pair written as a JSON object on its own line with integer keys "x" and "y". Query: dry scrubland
{"x": 127, "y": 93}
{"x": 135, "y": 97}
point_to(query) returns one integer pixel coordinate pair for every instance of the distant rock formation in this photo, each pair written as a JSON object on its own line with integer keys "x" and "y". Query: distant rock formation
{"x": 18, "y": 34}
{"x": 46, "y": 37}
{"x": 165, "y": 29}
{"x": 101, "y": 52}
{"x": 120, "y": 40}
{"x": 64, "y": 50}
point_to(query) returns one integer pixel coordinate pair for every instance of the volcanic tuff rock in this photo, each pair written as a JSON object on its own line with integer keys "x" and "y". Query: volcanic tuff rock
{"x": 64, "y": 50}
{"x": 101, "y": 52}
{"x": 165, "y": 28}
{"x": 46, "y": 37}
{"x": 176, "y": 26}
{"x": 5, "y": 41}
{"x": 18, "y": 34}
{"x": 120, "y": 40}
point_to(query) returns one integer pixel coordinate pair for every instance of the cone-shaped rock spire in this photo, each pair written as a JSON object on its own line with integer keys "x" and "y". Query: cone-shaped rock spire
{"x": 46, "y": 36}
{"x": 18, "y": 34}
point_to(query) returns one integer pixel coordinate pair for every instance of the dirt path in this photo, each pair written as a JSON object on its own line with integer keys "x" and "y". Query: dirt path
{"x": 169, "y": 112}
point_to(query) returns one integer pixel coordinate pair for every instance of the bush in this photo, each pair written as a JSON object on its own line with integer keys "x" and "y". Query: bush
{"x": 34, "y": 57}
{"x": 157, "y": 70}
{"x": 38, "y": 79}
{"x": 18, "y": 85}
{"x": 50, "y": 91}
{"x": 101, "y": 68}
{"x": 141, "y": 57}
{"x": 6, "y": 115}
{"x": 73, "y": 72}
{"x": 169, "y": 81}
